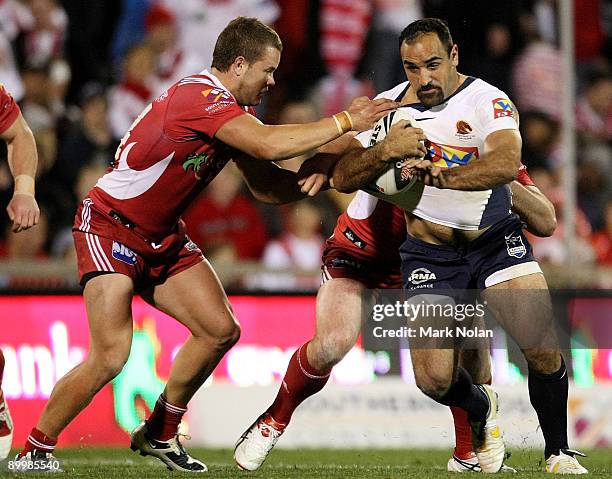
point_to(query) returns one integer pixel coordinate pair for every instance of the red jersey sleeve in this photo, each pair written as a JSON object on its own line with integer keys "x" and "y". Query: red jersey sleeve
{"x": 9, "y": 110}
{"x": 200, "y": 108}
{"x": 523, "y": 177}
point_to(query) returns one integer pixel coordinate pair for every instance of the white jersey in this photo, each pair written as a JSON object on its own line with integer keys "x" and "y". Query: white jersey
{"x": 456, "y": 130}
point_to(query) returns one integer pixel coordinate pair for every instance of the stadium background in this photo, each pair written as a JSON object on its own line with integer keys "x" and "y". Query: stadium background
{"x": 82, "y": 71}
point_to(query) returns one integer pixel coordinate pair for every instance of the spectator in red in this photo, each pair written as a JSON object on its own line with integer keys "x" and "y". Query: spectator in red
{"x": 44, "y": 39}
{"x": 130, "y": 97}
{"x": 602, "y": 240}
{"x": 172, "y": 61}
{"x": 343, "y": 28}
{"x": 200, "y": 21}
{"x": 594, "y": 109}
{"x": 224, "y": 220}
{"x": 299, "y": 248}
{"x": 535, "y": 79}
{"x": 552, "y": 249}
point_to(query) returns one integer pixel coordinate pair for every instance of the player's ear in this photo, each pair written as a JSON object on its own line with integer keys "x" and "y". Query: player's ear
{"x": 240, "y": 66}
{"x": 454, "y": 55}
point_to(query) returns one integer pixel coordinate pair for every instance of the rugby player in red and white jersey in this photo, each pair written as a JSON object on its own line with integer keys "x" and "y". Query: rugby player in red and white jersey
{"x": 363, "y": 254}
{"x": 130, "y": 239}
{"x": 22, "y": 209}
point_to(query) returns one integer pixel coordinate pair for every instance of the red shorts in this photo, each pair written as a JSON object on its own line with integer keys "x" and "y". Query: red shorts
{"x": 104, "y": 244}
{"x": 341, "y": 262}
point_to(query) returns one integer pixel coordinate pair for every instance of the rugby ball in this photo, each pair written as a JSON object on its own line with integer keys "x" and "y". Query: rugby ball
{"x": 398, "y": 177}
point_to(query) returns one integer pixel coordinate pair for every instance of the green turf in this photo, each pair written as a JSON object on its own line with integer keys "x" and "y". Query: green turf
{"x": 310, "y": 463}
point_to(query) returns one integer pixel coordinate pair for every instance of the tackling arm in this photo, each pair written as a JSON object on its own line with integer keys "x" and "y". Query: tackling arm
{"x": 534, "y": 209}
{"x": 278, "y": 142}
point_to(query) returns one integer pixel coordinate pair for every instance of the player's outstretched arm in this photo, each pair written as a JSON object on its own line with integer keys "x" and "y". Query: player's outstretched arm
{"x": 280, "y": 142}
{"x": 360, "y": 166}
{"x": 534, "y": 208}
{"x": 269, "y": 183}
{"x": 22, "y": 159}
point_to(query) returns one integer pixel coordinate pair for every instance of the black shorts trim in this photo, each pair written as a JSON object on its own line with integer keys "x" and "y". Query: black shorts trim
{"x": 91, "y": 275}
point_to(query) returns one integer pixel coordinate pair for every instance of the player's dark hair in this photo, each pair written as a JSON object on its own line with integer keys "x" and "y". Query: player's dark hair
{"x": 246, "y": 37}
{"x": 427, "y": 25}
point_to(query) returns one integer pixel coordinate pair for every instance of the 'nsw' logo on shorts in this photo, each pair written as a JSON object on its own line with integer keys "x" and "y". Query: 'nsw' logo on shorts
{"x": 123, "y": 253}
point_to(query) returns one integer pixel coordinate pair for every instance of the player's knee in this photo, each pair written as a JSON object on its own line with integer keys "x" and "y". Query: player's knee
{"x": 544, "y": 361}
{"x": 433, "y": 385}
{"x": 478, "y": 364}
{"x": 109, "y": 364}
{"x": 227, "y": 336}
{"x": 332, "y": 348}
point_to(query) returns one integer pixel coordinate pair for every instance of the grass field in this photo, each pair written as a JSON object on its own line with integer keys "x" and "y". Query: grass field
{"x": 311, "y": 463}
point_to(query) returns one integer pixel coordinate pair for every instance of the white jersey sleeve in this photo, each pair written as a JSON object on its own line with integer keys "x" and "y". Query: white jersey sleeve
{"x": 494, "y": 111}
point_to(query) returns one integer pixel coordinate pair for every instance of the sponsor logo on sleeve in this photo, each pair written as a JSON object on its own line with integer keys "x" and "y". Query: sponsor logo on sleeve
{"x": 515, "y": 246}
{"x": 219, "y": 99}
{"x": 123, "y": 253}
{"x": 215, "y": 94}
{"x": 502, "y": 107}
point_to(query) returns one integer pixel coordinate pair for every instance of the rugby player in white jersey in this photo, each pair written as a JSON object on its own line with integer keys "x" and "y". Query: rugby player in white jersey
{"x": 363, "y": 254}
{"x": 463, "y": 232}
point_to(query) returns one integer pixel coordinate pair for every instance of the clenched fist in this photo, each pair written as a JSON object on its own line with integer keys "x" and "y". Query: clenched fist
{"x": 23, "y": 212}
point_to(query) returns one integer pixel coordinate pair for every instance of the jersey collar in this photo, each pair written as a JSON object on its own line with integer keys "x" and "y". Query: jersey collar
{"x": 215, "y": 80}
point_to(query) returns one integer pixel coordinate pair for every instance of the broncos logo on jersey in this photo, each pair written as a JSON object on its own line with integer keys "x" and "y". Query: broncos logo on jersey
{"x": 447, "y": 156}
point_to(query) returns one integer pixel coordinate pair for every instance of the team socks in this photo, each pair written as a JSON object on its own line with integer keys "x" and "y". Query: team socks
{"x": 163, "y": 423}
{"x": 300, "y": 382}
{"x": 464, "y": 448}
{"x": 40, "y": 441}
{"x": 463, "y": 434}
{"x": 548, "y": 395}
{"x": 464, "y": 394}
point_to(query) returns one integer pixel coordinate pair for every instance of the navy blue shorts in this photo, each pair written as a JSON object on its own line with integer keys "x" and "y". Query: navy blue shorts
{"x": 500, "y": 254}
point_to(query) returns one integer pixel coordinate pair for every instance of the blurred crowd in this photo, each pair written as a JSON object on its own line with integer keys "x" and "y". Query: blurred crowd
{"x": 83, "y": 71}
